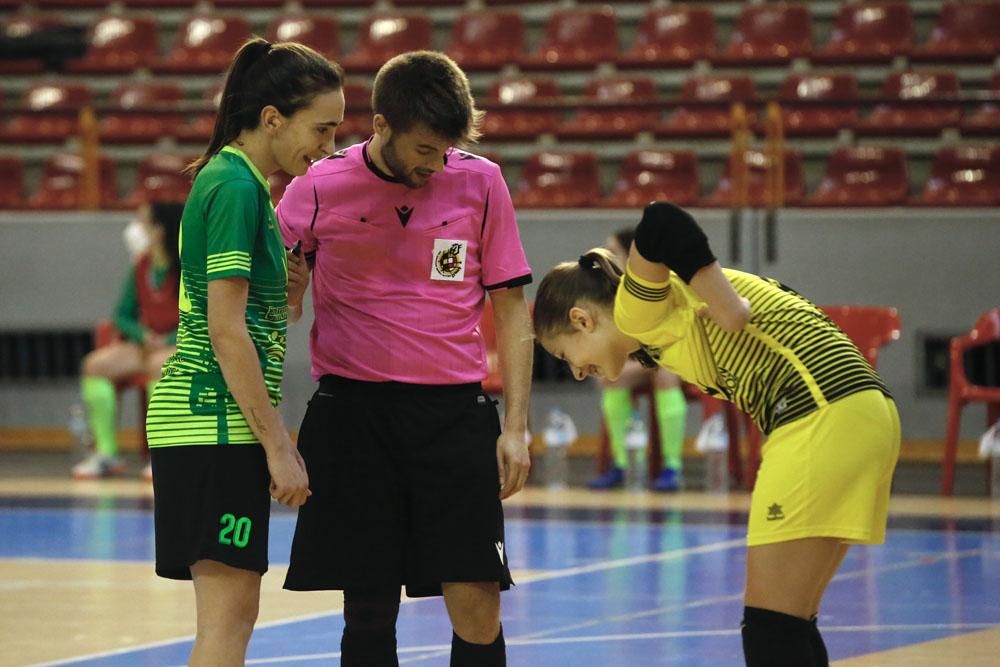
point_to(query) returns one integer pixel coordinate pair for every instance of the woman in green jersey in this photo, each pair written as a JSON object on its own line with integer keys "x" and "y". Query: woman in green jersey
{"x": 219, "y": 449}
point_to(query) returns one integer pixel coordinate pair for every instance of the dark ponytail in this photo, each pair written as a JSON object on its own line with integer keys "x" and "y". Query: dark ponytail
{"x": 592, "y": 279}
{"x": 287, "y": 76}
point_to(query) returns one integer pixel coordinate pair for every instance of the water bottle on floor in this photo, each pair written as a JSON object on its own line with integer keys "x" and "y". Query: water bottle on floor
{"x": 989, "y": 448}
{"x": 713, "y": 442}
{"x": 79, "y": 430}
{"x": 559, "y": 434}
{"x": 636, "y": 439}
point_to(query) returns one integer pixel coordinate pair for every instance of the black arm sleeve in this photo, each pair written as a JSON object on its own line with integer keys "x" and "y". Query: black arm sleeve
{"x": 669, "y": 235}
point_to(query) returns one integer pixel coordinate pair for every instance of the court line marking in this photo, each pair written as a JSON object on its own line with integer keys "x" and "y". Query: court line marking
{"x": 554, "y": 574}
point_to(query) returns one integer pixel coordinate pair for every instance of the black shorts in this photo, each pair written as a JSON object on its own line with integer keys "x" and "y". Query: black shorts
{"x": 210, "y": 502}
{"x": 405, "y": 489}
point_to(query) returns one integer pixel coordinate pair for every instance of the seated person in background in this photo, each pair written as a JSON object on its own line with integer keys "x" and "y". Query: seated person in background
{"x": 146, "y": 319}
{"x": 617, "y": 406}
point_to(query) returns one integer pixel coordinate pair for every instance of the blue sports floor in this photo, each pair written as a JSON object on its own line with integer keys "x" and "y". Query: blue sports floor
{"x": 598, "y": 586}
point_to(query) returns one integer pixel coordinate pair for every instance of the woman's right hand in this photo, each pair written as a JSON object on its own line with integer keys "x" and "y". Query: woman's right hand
{"x": 289, "y": 479}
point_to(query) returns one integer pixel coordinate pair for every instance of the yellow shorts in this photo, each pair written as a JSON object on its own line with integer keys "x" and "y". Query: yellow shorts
{"x": 828, "y": 474}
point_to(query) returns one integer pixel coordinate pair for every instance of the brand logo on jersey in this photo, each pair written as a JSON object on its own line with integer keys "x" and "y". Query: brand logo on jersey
{"x": 774, "y": 512}
{"x": 462, "y": 155}
{"x": 499, "y": 546}
{"x": 276, "y": 313}
{"x": 404, "y": 213}
{"x": 727, "y": 382}
{"x": 448, "y": 260}
{"x": 781, "y": 406}
{"x": 276, "y": 347}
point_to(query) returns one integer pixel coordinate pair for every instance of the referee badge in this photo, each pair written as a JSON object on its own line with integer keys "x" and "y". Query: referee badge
{"x": 448, "y": 260}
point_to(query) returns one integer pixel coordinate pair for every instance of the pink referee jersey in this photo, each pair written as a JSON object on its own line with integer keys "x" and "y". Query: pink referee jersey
{"x": 401, "y": 274}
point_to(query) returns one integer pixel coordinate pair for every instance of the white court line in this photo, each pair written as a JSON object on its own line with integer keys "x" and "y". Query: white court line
{"x": 555, "y": 574}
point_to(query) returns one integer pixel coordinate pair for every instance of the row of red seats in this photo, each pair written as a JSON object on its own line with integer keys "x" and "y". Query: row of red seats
{"x": 142, "y": 112}
{"x": 858, "y": 176}
{"x": 770, "y": 33}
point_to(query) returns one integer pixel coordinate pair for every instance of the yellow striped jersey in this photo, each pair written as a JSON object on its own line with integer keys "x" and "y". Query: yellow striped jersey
{"x": 789, "y": 360}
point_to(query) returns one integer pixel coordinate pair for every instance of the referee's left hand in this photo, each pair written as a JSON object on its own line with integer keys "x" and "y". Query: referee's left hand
{"x": 513, "y": 462}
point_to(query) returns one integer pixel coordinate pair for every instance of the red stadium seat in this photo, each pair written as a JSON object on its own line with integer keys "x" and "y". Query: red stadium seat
{"x": 230, "y": 4}
{"x": 22, "y": 26}
{"x": 160, "y": 179}
{"x": 646, "y": 176}
{"x": 428, "y": 3}
{"x": 71, "y": 4}
{"x": 383, "y": 36}
{"x": 161, "y": 4}
{"x": 487, "y": 40}
{"x": 559, "y": 179}
{"x": 869, "y": 31}
{"x": 704, "y": 121}
{"x": 358, "y": 115}
{"x": 613, "y": 122}
{"x": 869, "y": 327}
{"x": 767, "y": 34}
{"x": 205, "y": 44}
{"x": 12, "y": 183}
{"x": 966, "y": 30}
{"x": 963, "y": 176}
{"x": 49, "y": 113}
{"x": 962, "y": 391}
{"x": 278, "y": 181}
{"x": 149, "y": 111}
{"x": 60, "y": 186}
{"x": 818, "y": 120}
{"x": 576, "y": 39}
{"x": 118, "y": 44}
{"x": 909, "y": 119}
{"x": 321, "y": 33}
{"x": 985, "y": 118}
{"x": 506, "y": 124}
{"x": 863, "y": 176}
{"x": 674, "y": 36}
{"x": 757, "y": 181}
{"x": 199, "y": 128}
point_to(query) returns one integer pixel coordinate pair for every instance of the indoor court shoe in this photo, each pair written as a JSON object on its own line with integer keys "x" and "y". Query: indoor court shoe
{"x": 614, "y": 478}
{"x": 668, "y": 481}
{"x": 97, "y": 466}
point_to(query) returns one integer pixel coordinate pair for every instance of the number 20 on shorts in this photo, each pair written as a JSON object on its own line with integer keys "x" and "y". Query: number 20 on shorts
{"x": 234, "y": 532}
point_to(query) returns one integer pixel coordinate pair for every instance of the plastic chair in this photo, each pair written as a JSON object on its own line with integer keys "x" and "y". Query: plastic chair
{"x": 50, "y": 113}
{"x": 909, "y": 119}
{"x": 757, "y": 181}
{"x": 149, "y": 111}
{"x": 382, "y": 36}
{"x": 674, "y": 36}
{"x": 705, "y": 121}
{"x": 985, "y": 118}
{"x": 160, "y": 178}
{"x": 962, "y": 391}
{"x": 818, "y": 120}
{"x": 482, "y": 41}
{"x": 321, "y": 33}
{"x": 559, "y": 179}
{"x": 868, "y": 32}
{"x": 963, "y": 31}
{"x": 506, "y": 124}
{"x": 863, "y": 176}
{"x": 20, "y": 26}
{"x": 869, "y": 327}
{"x": 118, "y": 45}
{"x": 575, "y": 39}
{"x": 963, "y": 176}
{"x": 205, "y": 44}
{"x": 60, "y": 186}
{"x": 12, "y": 183}
{"x": 106, "y": 334}
{"x": 600, "y": 122}
{"x": 768, "y": 34}
{"x": 653, "y": 175}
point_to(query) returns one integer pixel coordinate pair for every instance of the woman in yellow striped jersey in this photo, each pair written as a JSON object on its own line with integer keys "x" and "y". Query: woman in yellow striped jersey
{"x": 832, "y": 427}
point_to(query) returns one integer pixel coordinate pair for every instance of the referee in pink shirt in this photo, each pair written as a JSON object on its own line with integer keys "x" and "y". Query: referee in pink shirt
{"x": 406, "y": 456}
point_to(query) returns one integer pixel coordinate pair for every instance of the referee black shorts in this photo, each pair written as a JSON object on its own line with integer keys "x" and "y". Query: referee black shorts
{"x": 210, "y": 502}
{"x": 405, "y": 489}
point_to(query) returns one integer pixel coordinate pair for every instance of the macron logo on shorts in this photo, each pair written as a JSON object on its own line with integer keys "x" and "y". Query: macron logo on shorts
{"x": 499, "y": 546}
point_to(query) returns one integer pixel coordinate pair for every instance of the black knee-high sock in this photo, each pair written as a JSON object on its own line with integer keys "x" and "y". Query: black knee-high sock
{"x": 819, "y": 648}
{"x": 370, "y": 628}
{"x": 464, "y": 654}
{"x": 773, "y": 639}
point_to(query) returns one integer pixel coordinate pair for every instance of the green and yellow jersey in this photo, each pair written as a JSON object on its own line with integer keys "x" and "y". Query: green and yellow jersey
{"x": 228, "y": 229}
{"x": 789, "y": 360}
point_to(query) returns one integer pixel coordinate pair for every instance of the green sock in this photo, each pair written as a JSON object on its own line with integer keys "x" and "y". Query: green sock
{"x": 670, "y": 412}
{"x": 99, "y": 395}
{"x": 616, "y": 403}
